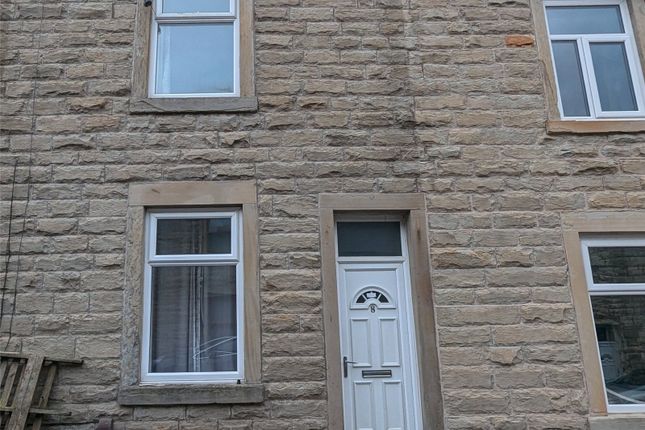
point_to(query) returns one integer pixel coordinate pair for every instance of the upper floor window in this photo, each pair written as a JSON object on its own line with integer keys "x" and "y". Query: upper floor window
{"x": 194, "y": 49}
{"x": 595, "y": 58}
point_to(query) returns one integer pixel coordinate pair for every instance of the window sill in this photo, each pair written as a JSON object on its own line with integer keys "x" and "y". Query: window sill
{"x": 617, "y": 422}
{"x": 191, "y": 394}
{"x": 595, "y": 126}
{"x": 210, "y": 104}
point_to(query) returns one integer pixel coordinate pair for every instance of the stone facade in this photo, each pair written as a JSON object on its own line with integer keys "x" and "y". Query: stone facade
{"x": 426, "y": 96}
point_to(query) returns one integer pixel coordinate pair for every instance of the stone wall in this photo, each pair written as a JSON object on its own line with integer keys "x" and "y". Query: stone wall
{"x": 355, "y": 96}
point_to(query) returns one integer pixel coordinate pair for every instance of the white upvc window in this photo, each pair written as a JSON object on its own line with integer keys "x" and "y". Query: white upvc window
{"x": 194, "y": 49}
{"x": 595, "y": 59}
{"x": 615, "y": 274}
{"x": 193, "y": 297}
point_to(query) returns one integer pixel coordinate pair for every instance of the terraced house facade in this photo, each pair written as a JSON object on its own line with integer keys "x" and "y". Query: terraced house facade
{"x": 327, "y": 214}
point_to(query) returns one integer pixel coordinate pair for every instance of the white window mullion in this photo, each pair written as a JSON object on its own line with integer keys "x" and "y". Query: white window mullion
{"x": 637, "y": 74}
{"x": 589, "y": 77}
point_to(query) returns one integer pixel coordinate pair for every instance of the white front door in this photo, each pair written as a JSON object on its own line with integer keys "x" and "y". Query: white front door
{"x": 378, "y": 353}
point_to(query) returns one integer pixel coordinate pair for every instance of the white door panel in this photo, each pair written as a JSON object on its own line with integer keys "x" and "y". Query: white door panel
{"x": 380, "y": 389}
{"x": 364, "y": 402}
{"x": 362, "y": 342}
{"x": 393, "y": 395}
{"x": 389, "y": 342}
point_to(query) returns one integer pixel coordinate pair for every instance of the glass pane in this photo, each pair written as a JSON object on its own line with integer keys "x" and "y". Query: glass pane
{"x": 194, "y": 326}
{"x": 621, "y": 346}
{"x": 195, "y": 58}
{"x": 570, "y": 80}
{"x": 617, "y": 265}
{"x": 196, "y": 6}
{"x": 369, "y": 239}
{"x": 194, "y": 236}
{"x": 584, "y": 19}
{"x": 613, "y": 77}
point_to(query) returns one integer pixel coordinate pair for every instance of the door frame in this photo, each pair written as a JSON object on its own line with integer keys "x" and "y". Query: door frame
{"x": 413, "y": 208}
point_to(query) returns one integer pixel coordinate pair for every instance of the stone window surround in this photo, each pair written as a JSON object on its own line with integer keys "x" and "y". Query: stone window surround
{"x": 141, "y": 103}
{"x": 189, "y": 194}
{"x": 413, "y": 207}
{"x": 554, "y": 123}
{"x": 574, "y": 225}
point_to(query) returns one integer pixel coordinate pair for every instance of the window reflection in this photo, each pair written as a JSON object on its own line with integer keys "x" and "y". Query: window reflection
{"x": 194, "y": 236}
{"x": 617, "y": 264}
{"x": 620, "y": 329}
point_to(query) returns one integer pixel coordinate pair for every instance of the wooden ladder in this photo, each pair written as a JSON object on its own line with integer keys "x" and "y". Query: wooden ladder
{"x": 25, "y": 385}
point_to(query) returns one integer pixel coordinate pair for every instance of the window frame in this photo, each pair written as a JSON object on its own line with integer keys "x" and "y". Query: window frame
{"x": 160, "y": 18}
{"x": 609, "y": 241}
{"x": 189, "y": 195}
{"x": 583, "y": 45}
{"x": 154, "y": 260}
{"x": 555, "y": 123}
{"x": 576, "y": 228}
{"x": 613, "y": 289}
{"x": 142, "y": 103}
{"x": 154, "y": 215}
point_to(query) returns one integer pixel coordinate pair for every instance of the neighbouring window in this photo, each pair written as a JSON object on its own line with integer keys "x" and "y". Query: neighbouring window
{"x": 194, "y": 49}
{"x": 595, "y": 59}
{"x": 615, "y": 274}
{"x": 193, "y": 296}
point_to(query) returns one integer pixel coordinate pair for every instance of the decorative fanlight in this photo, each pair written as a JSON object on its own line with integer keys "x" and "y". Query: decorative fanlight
{"x": 372, "y": 295}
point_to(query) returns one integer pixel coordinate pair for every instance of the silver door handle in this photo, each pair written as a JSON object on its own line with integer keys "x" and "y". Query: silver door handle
{"x": 345, "y": 363}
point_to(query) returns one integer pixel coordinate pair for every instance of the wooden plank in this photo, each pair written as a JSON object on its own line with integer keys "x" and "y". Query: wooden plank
{"x": 56, "y": 359}
{"x": 65, "y": 361}
{"x": 25, "y": 393}
{"x": 44, "y": 395}
{"x": 14, "y": 366}
{"x": 8, "y": 386}
{"x": 47, "y": 387}
{"x": 3, "y": 370}
{"x": 41, "y": 411}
